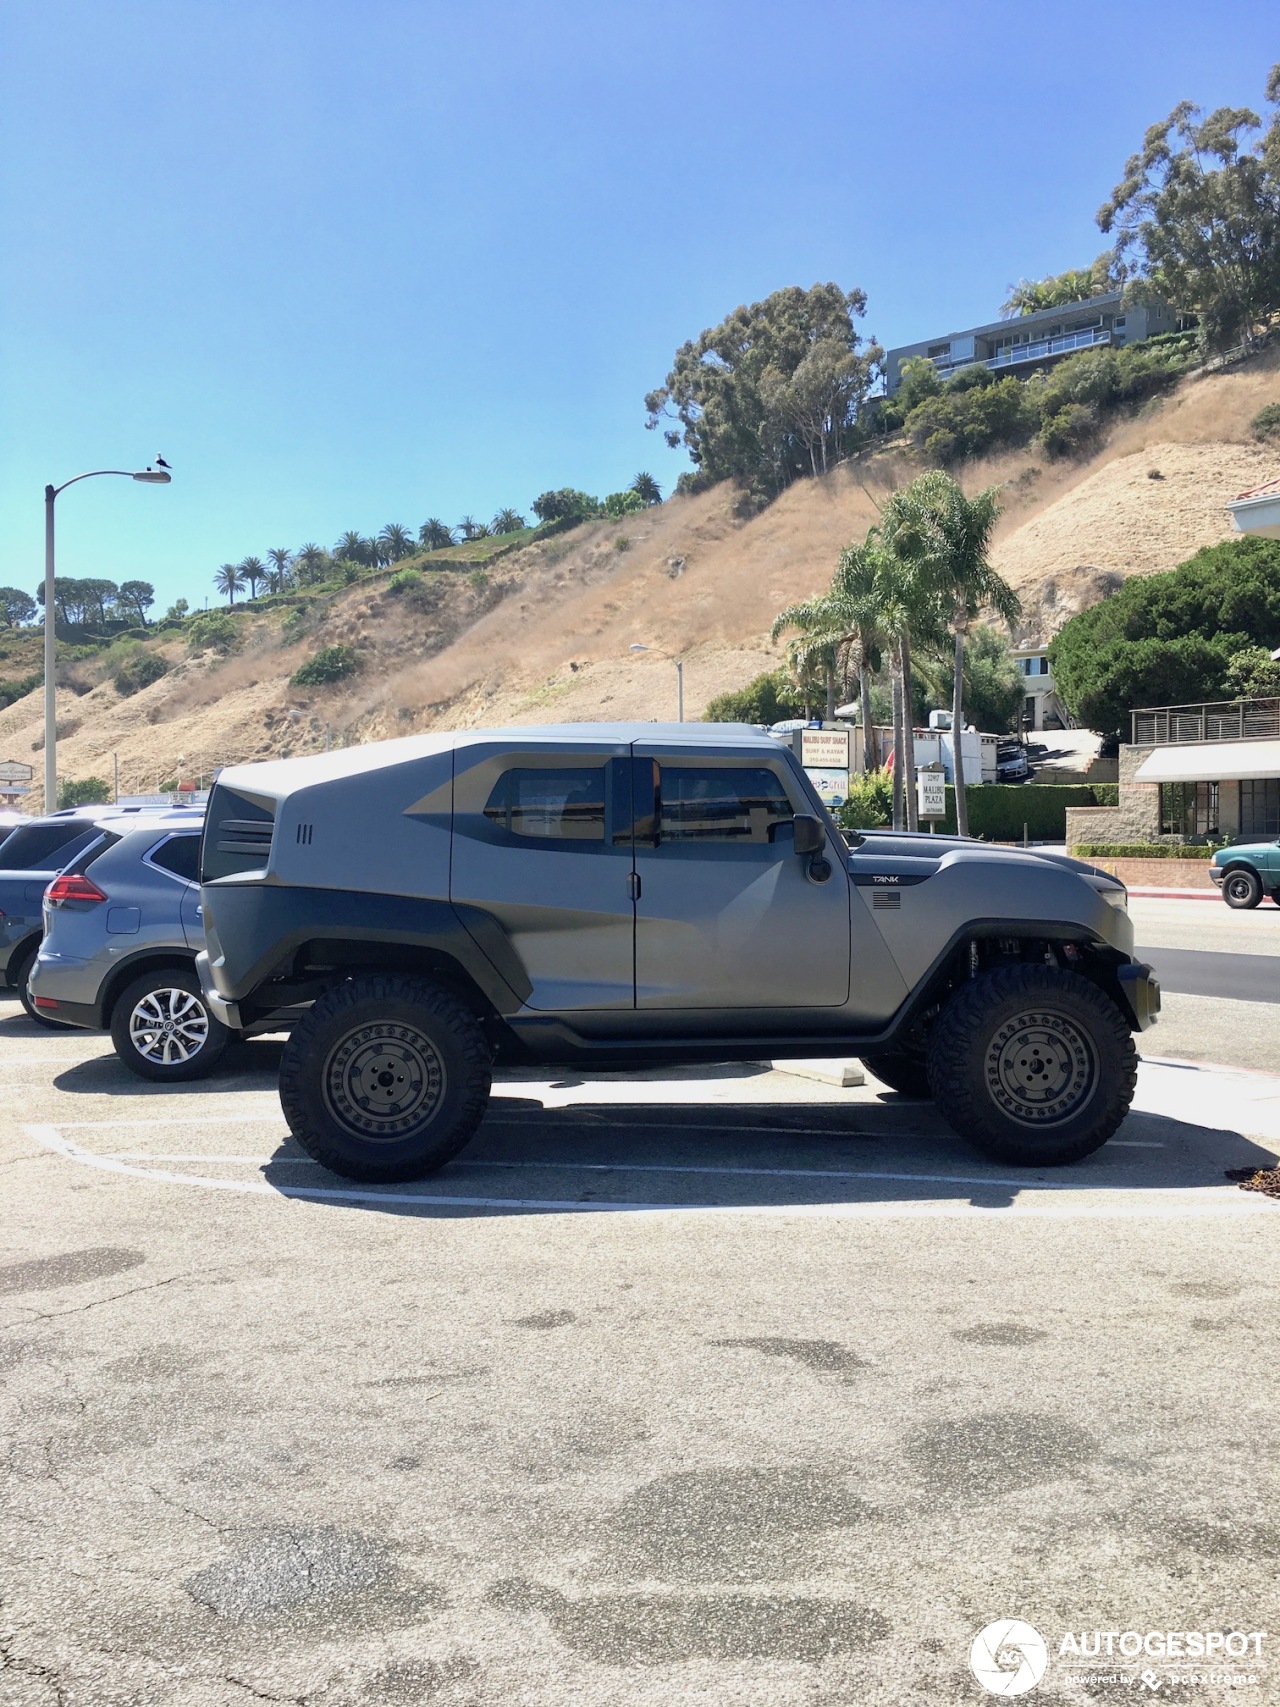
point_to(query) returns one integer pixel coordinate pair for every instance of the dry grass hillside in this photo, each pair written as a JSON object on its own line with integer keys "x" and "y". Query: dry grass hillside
{"x": 548, "y": 638}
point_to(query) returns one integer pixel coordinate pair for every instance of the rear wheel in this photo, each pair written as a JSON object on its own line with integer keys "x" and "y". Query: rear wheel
{"x": 162, "y": 1027}
{"x": 902, "y": 1071}
{"x": 385, "y": 1077}
{"x": 1033, "y": 1065}
{"x": 1241, "y": 887}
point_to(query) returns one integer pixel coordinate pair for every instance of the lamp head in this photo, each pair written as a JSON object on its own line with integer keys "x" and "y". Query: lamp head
{"x": 153, "y": 476}
{"x": 637, "y": 647}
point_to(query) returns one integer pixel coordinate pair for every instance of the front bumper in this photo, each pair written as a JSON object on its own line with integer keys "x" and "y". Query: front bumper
{"x": 1216, "y": 875}
{"x": 1141, "y": 990}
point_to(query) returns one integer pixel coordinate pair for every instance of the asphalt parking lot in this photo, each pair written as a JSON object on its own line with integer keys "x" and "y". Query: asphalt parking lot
{"x": 729, "y": 1388}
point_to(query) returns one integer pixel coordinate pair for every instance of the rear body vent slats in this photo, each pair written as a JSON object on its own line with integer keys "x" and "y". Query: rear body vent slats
{"x": 237, "y": 837}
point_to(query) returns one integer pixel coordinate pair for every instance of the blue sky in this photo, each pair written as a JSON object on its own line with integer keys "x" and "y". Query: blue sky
{"x": 346, "y": 264}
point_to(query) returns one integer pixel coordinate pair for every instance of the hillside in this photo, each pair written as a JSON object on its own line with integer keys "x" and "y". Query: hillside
{"x": 547, "y": 635}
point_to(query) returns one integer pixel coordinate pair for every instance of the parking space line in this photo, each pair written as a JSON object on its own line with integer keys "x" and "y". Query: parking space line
{"x": 1159, "y": 1203}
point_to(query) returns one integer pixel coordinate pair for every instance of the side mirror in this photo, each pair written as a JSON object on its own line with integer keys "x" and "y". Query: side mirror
{"x": 809, "y": 835}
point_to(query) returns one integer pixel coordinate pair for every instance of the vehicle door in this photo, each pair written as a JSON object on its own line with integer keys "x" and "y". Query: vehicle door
{"x": 727, "y": 914}
{"x": 542, "y": 843}
{"x": 178, "y": 857}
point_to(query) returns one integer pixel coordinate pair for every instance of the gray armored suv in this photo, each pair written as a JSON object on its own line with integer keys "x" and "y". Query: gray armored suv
{"x": 639, "y": 895}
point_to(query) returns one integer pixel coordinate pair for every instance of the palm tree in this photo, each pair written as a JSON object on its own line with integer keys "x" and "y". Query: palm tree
{"x": 507, "y": 521}
{"x": 253, "y": 570}
{"x": 958, "y": 531}
{"x": 646, "y": 487}
{"x": 468, "y": 527}
{"x": 308, "y": 562}
{"x": 229, "y": 580}
{"x": 812, "y": 654}
{"x": 353, "y": 546}
{"x": 396, "y": 541}
{"x": 910, "y": 600}
{"x": 435, "y": 535}
{"x": 855, "y": 595}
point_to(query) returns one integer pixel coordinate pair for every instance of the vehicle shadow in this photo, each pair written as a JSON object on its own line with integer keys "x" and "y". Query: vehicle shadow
{"x": 878, "y": 1153}
{"x": 251, "y": 1066}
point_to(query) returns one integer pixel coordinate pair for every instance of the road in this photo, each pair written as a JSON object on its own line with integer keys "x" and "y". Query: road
{"x": 721, "y": 1388}
{"x": 1219, "y": 970}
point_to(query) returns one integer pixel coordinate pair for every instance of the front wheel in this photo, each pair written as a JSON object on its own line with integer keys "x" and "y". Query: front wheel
{"x": 385, "y": 1078}
{"x": 162, "y": 1028}
{"x": 1241, "y": 888}
{"x": 1033, "y": 1065}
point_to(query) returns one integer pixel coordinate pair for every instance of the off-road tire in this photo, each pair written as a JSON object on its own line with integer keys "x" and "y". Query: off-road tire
{"x": 1241, "y": 888}
{"x": 902, "y": 1071}
{"x": 1033, "y": 1065}
{"x": 170, "y": 996}
{"x": 387, "y": 1036}
{"x": 19, "y": 974}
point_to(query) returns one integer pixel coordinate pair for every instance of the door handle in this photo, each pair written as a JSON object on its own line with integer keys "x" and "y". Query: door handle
{"x": 633, "y": 885}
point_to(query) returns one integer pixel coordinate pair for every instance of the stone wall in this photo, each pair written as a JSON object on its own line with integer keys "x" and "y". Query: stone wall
{"x": 1135, "y": 819}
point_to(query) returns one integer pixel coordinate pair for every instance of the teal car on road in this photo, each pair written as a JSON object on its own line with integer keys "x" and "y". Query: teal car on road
{"x": 1247, "y": 872}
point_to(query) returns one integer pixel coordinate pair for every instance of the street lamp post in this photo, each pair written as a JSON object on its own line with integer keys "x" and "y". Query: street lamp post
{"x": 150, "y": 476}
{"x": 679, "y": 664}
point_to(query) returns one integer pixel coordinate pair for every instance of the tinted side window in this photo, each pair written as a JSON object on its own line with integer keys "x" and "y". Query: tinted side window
{"x": 551, "y": 805}
{"x": 45, "y": 847}
{"x": 738, "y": 805}
{"x": 180, "y": 855}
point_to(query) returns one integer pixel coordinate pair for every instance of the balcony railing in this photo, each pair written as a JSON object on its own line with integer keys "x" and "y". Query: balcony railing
{"x": 1081, "y": 340}
{"x": 1034, "y": 352}
{"x": 1218, "y": 720}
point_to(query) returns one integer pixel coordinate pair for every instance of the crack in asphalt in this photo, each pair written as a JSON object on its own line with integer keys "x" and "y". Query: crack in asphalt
{"x": 129, "y": 1292}
{"x": 188, "y": 1511}
{"x": 11, "y": 1662}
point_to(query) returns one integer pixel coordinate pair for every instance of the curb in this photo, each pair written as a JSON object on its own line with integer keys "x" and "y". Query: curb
{"x": 1177, "y": 894}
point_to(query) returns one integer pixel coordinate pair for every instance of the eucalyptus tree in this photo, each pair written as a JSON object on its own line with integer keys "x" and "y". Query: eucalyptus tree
{"x": 229, "y": 580}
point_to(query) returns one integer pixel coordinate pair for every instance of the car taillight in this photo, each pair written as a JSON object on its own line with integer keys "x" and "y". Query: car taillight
{"x": 72, "y": 886}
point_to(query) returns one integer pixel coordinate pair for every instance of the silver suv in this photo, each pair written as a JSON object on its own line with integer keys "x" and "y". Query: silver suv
{"x": 639, "y": 894}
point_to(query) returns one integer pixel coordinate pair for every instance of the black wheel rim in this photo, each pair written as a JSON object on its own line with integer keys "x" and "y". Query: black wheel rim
{"x": 383, "y": 1081}
{"x": 1041, "y": 1068}
{"x": 1239, "y": 888}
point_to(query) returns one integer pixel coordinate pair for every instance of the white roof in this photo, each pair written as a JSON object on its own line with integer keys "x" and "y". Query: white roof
{"x": 1211, "y": 761}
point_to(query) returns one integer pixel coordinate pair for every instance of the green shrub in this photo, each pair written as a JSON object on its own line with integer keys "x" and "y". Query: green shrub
{"x": 89, "y": 791}
{"x": 477, "y": 580}
{"x": 619, "y": 504}
{"x": 870, "y": 802}
{"x": 139, "y": 671}
{"x": 998, "y": 810}
{"x": 770, "y": 698}
{"x": 1105, "y": 793}
{"x": 1266, "y": 423}
{"x": 330, "y": 664}
{"x": 20, "y": 687}
{"x": 1144, "y": 850}
{"x": 213, "y": 630}
{"x": 296, "y": 622}
{"x": 404, "y": 581}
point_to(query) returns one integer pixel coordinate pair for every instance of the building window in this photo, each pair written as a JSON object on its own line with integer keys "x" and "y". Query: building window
{"x": 1188, "y": 809}
{"x": 1260, "y": 807}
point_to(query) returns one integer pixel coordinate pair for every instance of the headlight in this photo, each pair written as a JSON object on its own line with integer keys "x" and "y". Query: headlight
{"x": 1117, "y": 897}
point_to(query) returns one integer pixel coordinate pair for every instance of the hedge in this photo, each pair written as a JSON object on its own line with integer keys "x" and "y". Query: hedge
{"x": 998, "y": 810}
{"x": 1143, "y": 850}
{"x": 1106, "y": 793}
